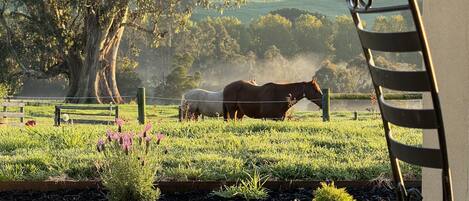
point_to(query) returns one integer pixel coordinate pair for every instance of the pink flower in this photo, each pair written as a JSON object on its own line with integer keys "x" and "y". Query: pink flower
{"x": 147, "y": 143}
{"x": 159, "y": 137}
{"x": 100, "y": 145}
{"x": 127, "y": 148}
{"x": 109, "y": 135}
{"x": 126, "y": 142}
{"x": 120, "y": 122}
{"x": 148, "y": 139}
{"x": 147, "y": 127}
{"x": 115, "y": 136}
{"x": 143, "y": 134}
{"x": 127, "y": 139}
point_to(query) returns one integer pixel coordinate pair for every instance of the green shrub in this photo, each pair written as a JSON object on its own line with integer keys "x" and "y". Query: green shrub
{"x": 328, "y": 192}
{"x": 250, "y": 188}
{"x": 3, "y": 91}
{"x": 127, "y": 171}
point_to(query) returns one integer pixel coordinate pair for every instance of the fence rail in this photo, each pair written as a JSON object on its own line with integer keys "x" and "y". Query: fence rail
{"x": 85, "y": 118}
{"x": 141, "y": 100}
{"x": 6, "y": 113}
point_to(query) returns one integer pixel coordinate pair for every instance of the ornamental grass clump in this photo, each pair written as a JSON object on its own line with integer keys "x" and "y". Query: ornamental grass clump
{"x": 250, "y": 188}
{"x": 127, "y": 169}
{"x": 328, "y": 192}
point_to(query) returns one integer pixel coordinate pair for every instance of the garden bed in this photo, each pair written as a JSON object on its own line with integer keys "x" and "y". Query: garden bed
{"x": 194, "y": 190}
{"x": 278, "y": 190}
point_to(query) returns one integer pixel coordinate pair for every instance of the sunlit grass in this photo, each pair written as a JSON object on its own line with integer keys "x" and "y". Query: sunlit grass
{"x": 308, "y": 148}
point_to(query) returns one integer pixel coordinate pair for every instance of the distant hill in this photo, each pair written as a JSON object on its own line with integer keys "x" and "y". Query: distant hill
{"x": 255, "y": 8}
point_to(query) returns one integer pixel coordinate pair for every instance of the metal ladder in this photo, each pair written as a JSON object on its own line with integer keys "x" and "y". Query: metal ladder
{"x": 413, "y": 81}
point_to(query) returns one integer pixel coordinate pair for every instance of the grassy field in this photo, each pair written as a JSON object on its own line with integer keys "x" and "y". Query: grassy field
{"x": 304, "y": 148}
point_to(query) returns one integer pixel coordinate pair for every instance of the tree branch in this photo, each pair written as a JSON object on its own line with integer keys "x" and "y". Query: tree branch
{"x": 138, "y": 27}
{"x": 23, "y": 15}
{"x": 9, "y": 37}
{"x": 53, "y": 71}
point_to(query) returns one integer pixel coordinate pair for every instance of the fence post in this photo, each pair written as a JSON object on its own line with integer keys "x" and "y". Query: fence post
{"x": 4, "y": 118}
{"x": 22, "y": 112}
{"x": 117, "y": 112}
{"x": 355, "y": 115}
{"x": 57, "y": 116}
{"x": 180, "y": 113}
{"x": 326, "y": 102}
{"x": 141, "y": 105}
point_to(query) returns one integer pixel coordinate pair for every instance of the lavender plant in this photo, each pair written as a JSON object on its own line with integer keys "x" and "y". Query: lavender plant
{"x": 127, "y": 170}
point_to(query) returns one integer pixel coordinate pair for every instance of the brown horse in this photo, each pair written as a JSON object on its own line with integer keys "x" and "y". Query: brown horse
{"x": 269, "y": 101}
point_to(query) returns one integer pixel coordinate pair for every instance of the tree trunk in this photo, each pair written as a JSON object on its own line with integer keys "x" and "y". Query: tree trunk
{"x": 96, "y": 80}
{"x": 111, "y": 58}
{"x": 74, "y": 64}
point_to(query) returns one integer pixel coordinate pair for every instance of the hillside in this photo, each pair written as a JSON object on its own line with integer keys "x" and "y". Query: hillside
{"x": 255, "y": 8}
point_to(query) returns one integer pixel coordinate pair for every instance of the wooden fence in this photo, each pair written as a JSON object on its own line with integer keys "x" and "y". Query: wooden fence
{"x": 77, "y": 115}
{"x": 7, "y": 113}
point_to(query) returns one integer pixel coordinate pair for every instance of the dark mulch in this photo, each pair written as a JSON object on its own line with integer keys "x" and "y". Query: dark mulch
{"x": 365, "y": 194}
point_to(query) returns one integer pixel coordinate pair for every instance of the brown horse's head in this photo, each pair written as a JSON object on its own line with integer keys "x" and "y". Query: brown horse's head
{"x": 313, "y": 92}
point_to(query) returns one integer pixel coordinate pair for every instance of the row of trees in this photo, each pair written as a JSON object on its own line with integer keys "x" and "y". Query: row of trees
{"x": 222, "y": 47}
{"x": 105, "y": 48}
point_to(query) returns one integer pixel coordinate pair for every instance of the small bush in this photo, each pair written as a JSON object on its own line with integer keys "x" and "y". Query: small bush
{"x": 127, "y": 170}
{"x": 3, "y": 91}
{"x": 249, "y": 189}
{"x": 328, "y": 192}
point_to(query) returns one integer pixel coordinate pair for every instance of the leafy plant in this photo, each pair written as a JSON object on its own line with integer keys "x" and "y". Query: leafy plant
{"x": 328, "y": 192}
{"x": 250, "y": 188}
{"x": 3, "y": 91}
{"x": 127, "y": 170}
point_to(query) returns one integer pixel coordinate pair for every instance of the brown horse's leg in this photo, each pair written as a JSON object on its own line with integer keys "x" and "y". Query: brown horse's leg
{"x": 239, "y": 114}
{"x": 225, "y": 112}
{"x": 197, "y": 114}
{"x": 229, "y": 111}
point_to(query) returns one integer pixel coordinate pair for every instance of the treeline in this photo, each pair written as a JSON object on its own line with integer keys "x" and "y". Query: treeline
{"x": 214, "y": 51}
{"x": 284, "y": 45}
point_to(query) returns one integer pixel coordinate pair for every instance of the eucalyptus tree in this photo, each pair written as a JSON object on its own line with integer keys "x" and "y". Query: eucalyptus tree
{"x": 80, "y": 38}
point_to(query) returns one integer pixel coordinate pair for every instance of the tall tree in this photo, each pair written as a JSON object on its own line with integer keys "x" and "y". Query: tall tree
{"x": 273, "y": 30}
{"x": 312, "y": 35}
{"x": 80, "y": 38}
{"x": 179, "y": 80}
{"x": 346, "y": 41}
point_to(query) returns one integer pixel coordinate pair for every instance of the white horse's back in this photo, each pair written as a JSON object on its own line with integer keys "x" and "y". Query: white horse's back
{"x": 207, "y": 103}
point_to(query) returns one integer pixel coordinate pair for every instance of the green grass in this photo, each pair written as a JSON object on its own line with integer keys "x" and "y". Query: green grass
{"x": 306, "y": 148}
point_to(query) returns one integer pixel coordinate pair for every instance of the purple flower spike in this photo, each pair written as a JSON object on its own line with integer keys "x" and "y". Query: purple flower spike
{"x": 140, "y": 138}
{"x": 100, "y": 145}
{"x": 126, "y": 149}
{"x": 147, "y": 143}
{"x": 148, "y": 138}
{"x": 109, "y": 135}
{"x": 147, "y": 127}
{"x": 120, "y": 122}
{"x": 159, "y": 137}
{"x": 115, "y": 136}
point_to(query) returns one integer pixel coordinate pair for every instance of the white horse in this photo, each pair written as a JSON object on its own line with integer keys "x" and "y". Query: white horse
{"x": 202, "y": 102}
